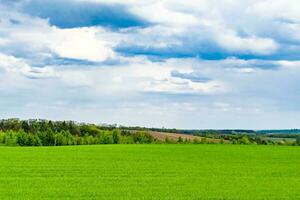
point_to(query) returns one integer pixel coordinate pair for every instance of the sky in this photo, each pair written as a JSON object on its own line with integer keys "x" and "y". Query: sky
{"x": 197, "y": 64}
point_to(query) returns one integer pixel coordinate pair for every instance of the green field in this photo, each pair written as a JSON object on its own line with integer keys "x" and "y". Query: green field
{"x": 150, "y": 172}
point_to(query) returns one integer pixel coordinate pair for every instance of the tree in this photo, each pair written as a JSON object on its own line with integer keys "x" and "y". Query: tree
{"x": 60, "y": 139}
{"x": 11, "y": 138}
{"x": 47, "y": 137}
{"x": 37, "y": 141}
{"x": 74, "y": 129}
{"x": 30, "y": 140}
{"x": 22, "y": 138}
{"x": 25, "y": 126}
{"x": 298, "y": 140}
{"x": 116, "y": 136}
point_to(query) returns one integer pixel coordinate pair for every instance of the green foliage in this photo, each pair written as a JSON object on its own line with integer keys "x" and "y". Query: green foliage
{"x": 22, "y": 138}
{"x": 169, "y": 141}
{"x": 142, "y": 137}
{"x": 244, "y": 140}
{"x": 59, "y": 133}
{"x": 197, "y": 141}
{"x": 116, "y": 136}
{"x": 60, "y": 139}
{"x": 10, "y": 139}
{"x": 203, "y": 140}
{"x": 180, "y": 140}
{"x": 298, "y": 140}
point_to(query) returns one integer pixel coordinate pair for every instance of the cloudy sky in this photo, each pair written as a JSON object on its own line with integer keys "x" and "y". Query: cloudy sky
{"x": 183, "y": 64}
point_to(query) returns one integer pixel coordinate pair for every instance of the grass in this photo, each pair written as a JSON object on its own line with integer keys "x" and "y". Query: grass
{"x": 150, "y": 172}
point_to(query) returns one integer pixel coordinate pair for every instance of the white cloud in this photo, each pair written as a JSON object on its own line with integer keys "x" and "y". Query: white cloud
{"x": 140, "y": 76}
{"x": 276, "y": 9}
{"x": 184, "y": 27}
{"x": 79, "y": 43}
{"x": 11, "y": 64}
{"x": 35, "y": 37}
{"x": 3, "y": 41}
{"x": 181, "y": 86}
{"x": 202, "y": 21}
{"x": 252, "y": 45}
{"x": 166, "y": 15}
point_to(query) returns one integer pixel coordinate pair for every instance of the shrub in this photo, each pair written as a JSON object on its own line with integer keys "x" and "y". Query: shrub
{"x": 142, "y": 137}
{"x": 298, "y": 140}
{"x": 196, "y": 141}
{"x": 180, "y": 140}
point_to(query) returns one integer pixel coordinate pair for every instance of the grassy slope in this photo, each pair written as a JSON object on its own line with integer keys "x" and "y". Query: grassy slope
{"x": 150, "y": 172}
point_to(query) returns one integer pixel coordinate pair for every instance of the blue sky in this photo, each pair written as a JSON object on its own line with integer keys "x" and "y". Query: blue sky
{"x": 155, "y": 63}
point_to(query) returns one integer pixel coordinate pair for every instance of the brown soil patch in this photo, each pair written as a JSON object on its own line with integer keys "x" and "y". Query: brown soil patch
{"x": 174, "y": 136}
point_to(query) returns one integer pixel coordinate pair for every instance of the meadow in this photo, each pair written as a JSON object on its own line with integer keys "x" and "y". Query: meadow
{"x": 151, "y": 171}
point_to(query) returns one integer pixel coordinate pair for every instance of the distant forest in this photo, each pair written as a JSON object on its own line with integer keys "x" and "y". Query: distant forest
{"x": 15, "y": 132}
{"x": 39, "y": 132}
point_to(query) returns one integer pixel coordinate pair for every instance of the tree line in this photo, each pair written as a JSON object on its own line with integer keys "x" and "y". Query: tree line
{"x": 15, "y": 132}
{"x": 260, "y": 139}
{"x": 39, "y": 132}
